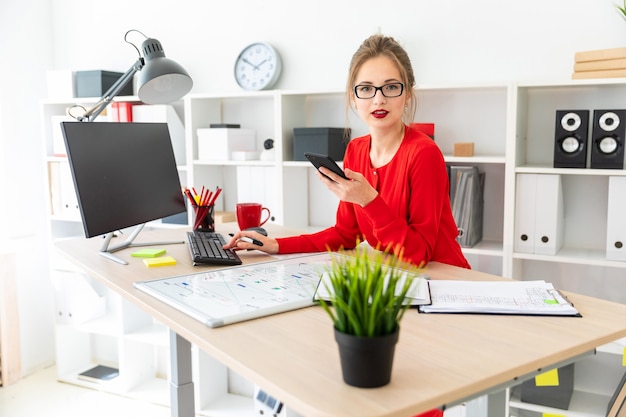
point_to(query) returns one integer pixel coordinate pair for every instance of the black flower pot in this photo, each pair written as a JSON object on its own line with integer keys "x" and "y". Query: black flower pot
{"x": 366, "y": 362}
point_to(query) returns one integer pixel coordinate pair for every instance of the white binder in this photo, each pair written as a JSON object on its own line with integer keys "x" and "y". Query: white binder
{"x": 538, "y": 214}
{"x": 548, "y": 215}
{"x": 616, "y": 220}
{"x": 525, "y": 197}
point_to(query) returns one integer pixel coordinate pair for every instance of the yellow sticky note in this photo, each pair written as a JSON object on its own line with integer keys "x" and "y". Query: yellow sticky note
{"x": 162, "y": 261}
{"x": 548, "y": 379}
{"x": 552, "y": 415}
{"x": 624, "y": 358}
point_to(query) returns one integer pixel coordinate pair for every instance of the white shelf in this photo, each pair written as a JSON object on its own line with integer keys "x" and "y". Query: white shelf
{"x": 574, "y": 256}
{"x": 538, "y": 169}
{"x": 486, "y": 247}
{"x": 476, "y": 159}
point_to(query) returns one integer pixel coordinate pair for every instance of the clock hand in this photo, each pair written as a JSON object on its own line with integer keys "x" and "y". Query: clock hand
{"x": 261, "y": 63}
{"x": 256, "y": 67}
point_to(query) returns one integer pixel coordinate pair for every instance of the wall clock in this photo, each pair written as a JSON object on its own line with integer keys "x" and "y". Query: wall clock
{"x": 258, "y": 67}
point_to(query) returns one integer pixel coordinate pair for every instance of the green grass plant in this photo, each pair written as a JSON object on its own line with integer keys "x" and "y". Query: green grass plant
{"x": 368, "y": 292}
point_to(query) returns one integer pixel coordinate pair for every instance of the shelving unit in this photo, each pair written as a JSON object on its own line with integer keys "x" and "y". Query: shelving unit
{"x": 512, "y": 127}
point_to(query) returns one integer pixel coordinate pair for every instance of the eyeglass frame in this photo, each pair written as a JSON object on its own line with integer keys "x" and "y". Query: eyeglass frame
{"x": 377, "y": 89}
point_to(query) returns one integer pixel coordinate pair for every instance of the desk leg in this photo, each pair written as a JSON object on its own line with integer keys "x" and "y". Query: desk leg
{"x": 181, "y": 383}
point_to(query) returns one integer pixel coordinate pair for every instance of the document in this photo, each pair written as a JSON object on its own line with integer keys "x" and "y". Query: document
{"x": 497, "y": 297}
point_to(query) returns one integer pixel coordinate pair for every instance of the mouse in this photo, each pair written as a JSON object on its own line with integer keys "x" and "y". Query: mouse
{"x": 258, "y": 229}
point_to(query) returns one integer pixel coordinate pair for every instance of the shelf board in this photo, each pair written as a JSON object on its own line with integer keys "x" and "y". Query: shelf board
{"x": 543, "y": 169}
{"x": 574, "y": 256}
{"x": 485, "y": 248}
{"x": 476, "y": 159}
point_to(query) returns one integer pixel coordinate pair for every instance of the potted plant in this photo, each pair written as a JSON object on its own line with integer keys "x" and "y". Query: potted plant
{"x": 366, "y": 298}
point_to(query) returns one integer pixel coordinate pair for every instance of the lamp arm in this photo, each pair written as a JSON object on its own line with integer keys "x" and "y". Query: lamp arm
{"x": 91, "y": 114}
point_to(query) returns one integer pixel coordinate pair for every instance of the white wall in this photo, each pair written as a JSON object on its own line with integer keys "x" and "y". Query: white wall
{"x": 454, "y": 41}
{"x": 25, "y": 52}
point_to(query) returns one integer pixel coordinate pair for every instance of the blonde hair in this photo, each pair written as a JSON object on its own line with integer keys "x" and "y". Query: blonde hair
{"x": 380, "y": 45}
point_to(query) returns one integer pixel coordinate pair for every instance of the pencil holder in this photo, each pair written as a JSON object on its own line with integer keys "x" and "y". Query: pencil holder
{"x": 203, "y": 218}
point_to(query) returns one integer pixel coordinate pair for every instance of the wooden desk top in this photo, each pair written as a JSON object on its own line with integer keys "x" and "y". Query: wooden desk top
{"x": 440, "y": 358}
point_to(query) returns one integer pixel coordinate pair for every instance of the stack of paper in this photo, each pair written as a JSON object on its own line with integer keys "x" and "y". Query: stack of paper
{"x": 601, "y": 63}
{"x": 497, "y": 297}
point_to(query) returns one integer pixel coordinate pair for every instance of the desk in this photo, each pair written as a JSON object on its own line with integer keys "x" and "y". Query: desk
{"x": 440, "y": 359}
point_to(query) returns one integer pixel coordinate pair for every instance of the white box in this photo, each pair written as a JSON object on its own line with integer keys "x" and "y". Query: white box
{"x": 218, "y": 144}
{"x": 60, "y": 84}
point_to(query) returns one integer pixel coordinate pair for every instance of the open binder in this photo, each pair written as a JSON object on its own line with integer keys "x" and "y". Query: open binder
{"x": 497, "y": 297}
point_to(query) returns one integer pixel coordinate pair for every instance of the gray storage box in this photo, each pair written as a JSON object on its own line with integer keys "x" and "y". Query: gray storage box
{"x": 329, "y": 141}
{"x": 551, "y": 396}
{"x": 96, "y": 83}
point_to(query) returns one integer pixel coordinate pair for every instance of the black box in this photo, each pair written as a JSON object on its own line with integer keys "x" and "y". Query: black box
{"x": 329, "y": 141}
{"x": 96, "y": 83}
{"x": 551, "y": 396}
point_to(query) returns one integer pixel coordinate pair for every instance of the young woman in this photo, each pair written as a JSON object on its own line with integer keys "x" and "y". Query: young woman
{"x": 397, "y": 192}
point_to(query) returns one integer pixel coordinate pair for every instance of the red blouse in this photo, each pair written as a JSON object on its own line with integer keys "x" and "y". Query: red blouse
{"x": 412, "y": 212}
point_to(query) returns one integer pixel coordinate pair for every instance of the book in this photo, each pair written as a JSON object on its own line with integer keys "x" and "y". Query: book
{"x": 616, "y": 73}
{"x": 603, "y": 64}
{"x": 617, "y": 403}
{"x": 600, "y": 54}
{"x": 418, "y": 294}
{"x": 497, "y": 297}
{"x": 99, "y": 373}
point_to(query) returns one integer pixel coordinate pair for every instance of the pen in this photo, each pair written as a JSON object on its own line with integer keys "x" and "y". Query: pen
{"x": 249, "y": 240}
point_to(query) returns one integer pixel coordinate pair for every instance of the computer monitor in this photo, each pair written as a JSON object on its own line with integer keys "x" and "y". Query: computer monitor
{"x": 124, "y": 175}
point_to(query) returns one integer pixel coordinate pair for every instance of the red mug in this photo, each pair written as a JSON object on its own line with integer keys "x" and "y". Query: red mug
{"x": 249, "y": 215}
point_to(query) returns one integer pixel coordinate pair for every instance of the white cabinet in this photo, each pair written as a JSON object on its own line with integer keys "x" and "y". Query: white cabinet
{"x": 581, "y": 265}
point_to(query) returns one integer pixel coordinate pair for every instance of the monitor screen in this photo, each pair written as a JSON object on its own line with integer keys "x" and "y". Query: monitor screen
{"x": 124, "y": 174}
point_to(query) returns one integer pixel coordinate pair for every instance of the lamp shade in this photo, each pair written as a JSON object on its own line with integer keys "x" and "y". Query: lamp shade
{"x": 161, "y": 80}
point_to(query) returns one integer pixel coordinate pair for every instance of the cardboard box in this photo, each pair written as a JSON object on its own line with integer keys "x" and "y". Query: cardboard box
{"x": 557, "y": 396}
{"x": 96, "y": 83}
{"x": 464, "y": 149}
{"x": 218, "y": 144}
{"x": 324, "y": 140}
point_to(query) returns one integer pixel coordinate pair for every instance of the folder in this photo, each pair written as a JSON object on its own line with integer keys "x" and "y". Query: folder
{"x": 615, "y": 223}
{"x": 538, "y": 214}
{"x": 548, "y": 215}
{"x": 525, "y": 197}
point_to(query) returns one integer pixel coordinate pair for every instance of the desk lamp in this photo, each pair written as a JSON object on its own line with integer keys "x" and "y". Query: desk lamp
{"x": 160, "y": 81}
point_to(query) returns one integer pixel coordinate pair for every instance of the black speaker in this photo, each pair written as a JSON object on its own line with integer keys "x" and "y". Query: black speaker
{"x": 570, "y": 138}
{"x": 607, "y": 139}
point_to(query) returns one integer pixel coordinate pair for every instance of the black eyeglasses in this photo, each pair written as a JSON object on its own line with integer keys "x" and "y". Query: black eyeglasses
{"x": 388, "y": 90}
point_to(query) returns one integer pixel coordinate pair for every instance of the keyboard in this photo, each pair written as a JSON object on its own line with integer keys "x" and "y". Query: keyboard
{"x": 206, "y": 248}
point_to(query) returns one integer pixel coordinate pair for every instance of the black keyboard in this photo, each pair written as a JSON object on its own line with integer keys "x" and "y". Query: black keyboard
{"x": 206, "y": 248}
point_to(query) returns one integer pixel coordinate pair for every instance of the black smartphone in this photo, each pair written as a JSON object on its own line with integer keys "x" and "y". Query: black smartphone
{"x": 319, "y": 160}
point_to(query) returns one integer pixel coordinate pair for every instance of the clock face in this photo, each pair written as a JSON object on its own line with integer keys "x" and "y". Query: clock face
{"x": 257, "y": 67}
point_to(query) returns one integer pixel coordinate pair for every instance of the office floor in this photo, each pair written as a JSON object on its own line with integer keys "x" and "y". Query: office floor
{"x": 41, "y": 395}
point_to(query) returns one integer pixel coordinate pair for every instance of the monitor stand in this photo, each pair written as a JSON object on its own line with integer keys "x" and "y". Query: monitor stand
{"x": 107, "y": 251}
